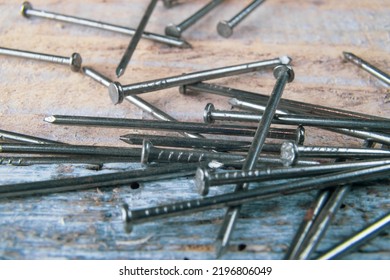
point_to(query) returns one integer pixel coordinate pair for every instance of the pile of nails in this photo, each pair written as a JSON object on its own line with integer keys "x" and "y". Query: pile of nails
{"x": 334, "y": 171}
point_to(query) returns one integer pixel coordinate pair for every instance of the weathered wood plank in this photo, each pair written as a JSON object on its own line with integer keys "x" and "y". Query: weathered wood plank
{"x": 87, "y": 224}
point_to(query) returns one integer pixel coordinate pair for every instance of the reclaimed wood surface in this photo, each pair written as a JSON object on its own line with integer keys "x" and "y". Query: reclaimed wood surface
{"x": 87, "y": 224}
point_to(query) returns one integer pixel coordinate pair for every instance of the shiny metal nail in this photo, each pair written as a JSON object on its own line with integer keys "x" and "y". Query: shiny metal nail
{"x": 135, "y": 39}
{"x": 225, "y": 28}
{"x": 132, "y": 217}
{"x": 384, "y": 77}
{"x": 97, "y": 181}
{"x": 290, "y": 152}
{"x": 204, "y": 179}
{"x": 137, "y": 101}
{"x": 27, "y": 161}
{"x": 176, "y": 30}
{"x": 28, "y": 11}
{"x": 22, "y": 138}
{"x": 283, "y": 74}
{"x": 118, "y": 92}
{"x": 210, "y": 115}
{"x": 357, "y": 240}
{"x": 192, "y": 127}
{"x": 74, "y": 61}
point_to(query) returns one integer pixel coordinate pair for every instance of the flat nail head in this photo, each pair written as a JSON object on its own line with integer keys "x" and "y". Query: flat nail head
{"x": 75, "y": 62}
{"x": 116, "y": 92}
{"x": 281, "y": 69}
{"x": 126, "y": 217}
{"x": 173, "y": 30}
{"x": 202, "y": 181}
{"x": 224, "y": 29}
{"x": 146, "y": 147}
{"x": 23, "y": 9}
{"x": 300, "y": 135}
{"x": 207, "y": 113}
{"x": 288, "y": 153}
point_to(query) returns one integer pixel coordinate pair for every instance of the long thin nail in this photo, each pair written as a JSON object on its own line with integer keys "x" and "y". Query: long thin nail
{"x": 27, "y": 161}
{"x": 210, "y": 115}
{"x": 209, "y": 144}
{"x": 384, "y": 77}
{"x": 204, "y": 179}
{"x": 176, "y": 30}
{"x": 283, "y": 74}
{"x": 28, "y": 11}
{"x": 130, "y": 153}
{"x": 137, "y": 101}
{"x": 98, "y": 181}
{"x": 193, "y": 127}
{"x": 225, "y": 28}
{"x": 237, "y": 198}
{"x": 22, "y": 138}
{"x": 357, "y": 240}
{"x": 135, "y": 40}
{"x": 74, "y": 61}
{"x": 378, "y": 137}
{"x": 118, "y": 92}
{"x": 290, "y": 152}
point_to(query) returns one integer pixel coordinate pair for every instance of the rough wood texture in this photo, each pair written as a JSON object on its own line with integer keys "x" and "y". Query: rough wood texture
{"x": 87, "y": 224}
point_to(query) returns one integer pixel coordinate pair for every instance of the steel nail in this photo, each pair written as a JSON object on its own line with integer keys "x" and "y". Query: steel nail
{"x": 133, "y": 217}
{"x": 28, "y": 11}
{"x": 204, "y": 179}
{"x": 176, "y": 30}
{"x": 384, "y": 77}
{"x": 357, "y": 240}
{"x": 17, "y": 137}
{"x": 74, "y": 61}
{"x": 97, "y": 181}
{"x": 135, "y": 39}
{"x": 276, "y": 133}
{"x": 290, "y": 152}
{"x": 137, "y": 101}
{"x": 118, "y": 92}
{"x": 26, "y": 161}
{"x": 225, "y": 28}
{"x": 210, "y": 115}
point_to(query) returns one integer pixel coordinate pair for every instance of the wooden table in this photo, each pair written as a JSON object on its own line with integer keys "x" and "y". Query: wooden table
{"x": 87, "y": 224}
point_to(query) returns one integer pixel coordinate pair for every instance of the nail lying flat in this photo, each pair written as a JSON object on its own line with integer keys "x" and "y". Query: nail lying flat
{"x": 176, "y": 30}
{"x": 118, "y": 92}
{"x": 74, "y": 61}
{"x": 28, "y": 11}
{"x": 384, "y": 77}
{"x": 17, "y": 137}
{"x": 355, "y": 241}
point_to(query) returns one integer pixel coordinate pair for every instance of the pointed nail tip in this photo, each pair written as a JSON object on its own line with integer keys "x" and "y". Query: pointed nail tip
{"x": 233, "y": 101}
{"x": 50, "y": 119}
{"x": 119, "y": 72}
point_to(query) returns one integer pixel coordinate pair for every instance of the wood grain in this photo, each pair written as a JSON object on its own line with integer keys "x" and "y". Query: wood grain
{"x": 87, "y": 224}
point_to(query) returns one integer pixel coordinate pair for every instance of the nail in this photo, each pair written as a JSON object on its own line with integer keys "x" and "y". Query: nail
{"x": 135, "y": 40}
{"x": 74, "y": 61}
{"x": 209, "y": 144}
{"x": 27, "y": 11}
{"x": 130, "y": 153}
{"x": 225, "y": 28}
{"x": 204, "y": 179}
{"x": 357, "y": 240}
{"x": 27, "y": 161}
{"x": 378, "y": 137}
{"x": 133, "y": 217}
{"x": 310, "y": 216}
{"x": 384, "y": 77}
{"x": 17, "y": 137}
{"x": 193, "y": 127}
{"x": 98, "y": 181}
{"x": 283, "y": 74}
{"x": 171, "y": 3}
{"x": 176, "y": 30}
{"x": 137, "y": 101}
{"x": 290, "y": 152}
{"x": 118, "y": 92}
{"x": 210, "y": 115}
